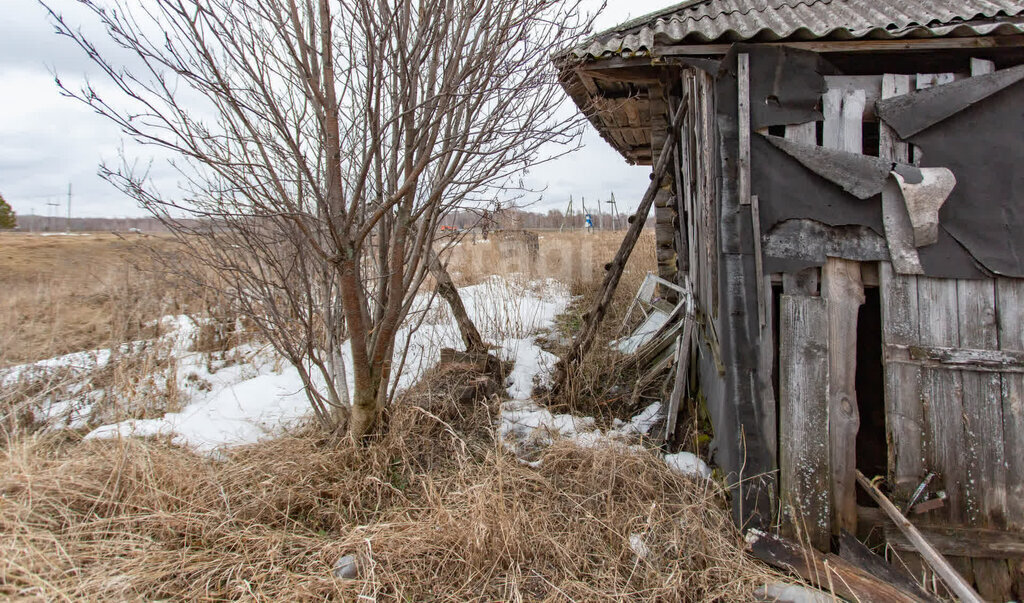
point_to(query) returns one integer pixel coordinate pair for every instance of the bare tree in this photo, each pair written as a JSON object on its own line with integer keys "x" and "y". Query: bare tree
{"x": 321, "y": 143}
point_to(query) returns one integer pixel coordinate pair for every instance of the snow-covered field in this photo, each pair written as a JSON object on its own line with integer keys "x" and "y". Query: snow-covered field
{"x": 250, "y": 393}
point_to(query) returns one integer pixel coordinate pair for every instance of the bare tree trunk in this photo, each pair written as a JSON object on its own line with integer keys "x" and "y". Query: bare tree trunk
{"x": 446, "y": 289}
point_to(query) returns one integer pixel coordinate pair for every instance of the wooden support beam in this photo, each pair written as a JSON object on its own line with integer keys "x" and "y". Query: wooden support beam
{"x": 841, "y": 286}
{"x": 743, "y": 122}
{"x": 935, "y": 560}
{"x": 569, "y": 363}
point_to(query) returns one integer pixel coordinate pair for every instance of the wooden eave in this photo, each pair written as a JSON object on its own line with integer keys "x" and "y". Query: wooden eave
{"x": 613, "y": 94}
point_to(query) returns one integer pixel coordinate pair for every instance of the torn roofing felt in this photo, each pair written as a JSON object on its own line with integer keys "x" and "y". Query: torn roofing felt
{"x": 982, "y": 146}
{"x": 786, "y": 84}
{"x": 863, "y": 176}
{"x": 911, "y": 113}
{"x": 787, "y": 190}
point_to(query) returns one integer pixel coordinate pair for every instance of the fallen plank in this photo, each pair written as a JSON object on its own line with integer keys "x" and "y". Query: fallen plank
{"x": 827, "y": 572}
{"x": 858, "y": 554}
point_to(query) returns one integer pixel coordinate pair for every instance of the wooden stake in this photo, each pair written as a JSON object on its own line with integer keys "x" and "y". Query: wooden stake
{"x": 937, "y": 562}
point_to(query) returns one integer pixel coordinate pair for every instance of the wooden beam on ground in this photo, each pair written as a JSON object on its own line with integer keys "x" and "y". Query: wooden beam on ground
{"x": 828, "y": 572}
{"x": 935, "y": 560}
{"x": 858, "y": 554}
{"x": 569, "y": 363}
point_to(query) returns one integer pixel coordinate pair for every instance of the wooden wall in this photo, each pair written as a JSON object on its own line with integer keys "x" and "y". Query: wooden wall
{"x": 952, "y": 351}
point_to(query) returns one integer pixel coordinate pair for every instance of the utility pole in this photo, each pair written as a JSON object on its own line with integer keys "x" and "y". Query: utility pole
{"x": 51, "y": 219}
{"x": 69, "y": 207}
{"x": 568, "y": 217}
{"x": 615, "y": 212}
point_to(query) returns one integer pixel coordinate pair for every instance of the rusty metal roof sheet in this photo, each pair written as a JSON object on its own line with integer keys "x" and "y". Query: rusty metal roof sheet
{"x": 705, "y": 21}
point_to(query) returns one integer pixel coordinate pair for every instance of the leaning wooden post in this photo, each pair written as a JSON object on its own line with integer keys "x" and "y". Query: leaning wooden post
{"x": 953, "y": 580}
{"x": 592, "y": 319}
{"x": 447, "y": 290}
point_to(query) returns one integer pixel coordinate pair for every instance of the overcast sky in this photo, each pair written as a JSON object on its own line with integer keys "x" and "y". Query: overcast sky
{"x": 48, "y": 141}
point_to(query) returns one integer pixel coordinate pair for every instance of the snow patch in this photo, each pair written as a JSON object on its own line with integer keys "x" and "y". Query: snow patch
{"x": 689, "y": 464}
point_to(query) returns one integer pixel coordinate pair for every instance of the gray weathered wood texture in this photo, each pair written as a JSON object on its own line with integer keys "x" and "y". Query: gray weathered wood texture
{"x": 803, "y": 414}
{"x": 842, "y": 288}
{"x": 841, "y": 285}
{"x": 898, "y": 231}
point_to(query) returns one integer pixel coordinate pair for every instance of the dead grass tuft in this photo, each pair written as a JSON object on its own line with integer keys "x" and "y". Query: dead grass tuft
{"x": 433, "y": 511}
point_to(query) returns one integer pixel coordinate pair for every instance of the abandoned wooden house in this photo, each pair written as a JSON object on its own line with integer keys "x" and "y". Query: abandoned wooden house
{"x": 841, "y": 190}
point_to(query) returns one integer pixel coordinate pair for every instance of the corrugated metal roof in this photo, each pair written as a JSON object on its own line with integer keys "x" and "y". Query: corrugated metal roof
{"x": 705, "y": 21}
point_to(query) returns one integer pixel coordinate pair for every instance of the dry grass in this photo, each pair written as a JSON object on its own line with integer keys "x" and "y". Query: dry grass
{"x": 64, "y": 294}
{"x": 434, "y": 511}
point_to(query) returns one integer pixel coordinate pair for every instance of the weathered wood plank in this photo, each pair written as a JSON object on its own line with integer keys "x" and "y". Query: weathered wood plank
{"x": 858, "y": 554}
{"x": 743, "y": 122}
{"x": 1010, "y": 320}
{"x": 984, "y": 456}
{"x": 755, "y": 218}
{"x": 803, "y": 413}
{"x": 962, "y": 358}
{"x": 828, "y": 572}
{"x": 963, "y": 542}
{"x": 682, "y": 362}
{"x": 898, "y": 231}
{"x": 804, "y": 282}
{"x": 765, "y": 366}
{"x": 842, "y": 288}
{"x": 939, "y": 323}
{"x": 870, "y": 84}
{"x": 905, "y": 420}
{"x": 981, "y": 67}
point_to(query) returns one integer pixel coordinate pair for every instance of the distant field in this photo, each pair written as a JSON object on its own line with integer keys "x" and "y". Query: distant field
{"x": 61, "y": 294}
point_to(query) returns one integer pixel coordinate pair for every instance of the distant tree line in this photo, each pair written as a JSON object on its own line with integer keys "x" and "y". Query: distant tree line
{"x": 34, "y": 223}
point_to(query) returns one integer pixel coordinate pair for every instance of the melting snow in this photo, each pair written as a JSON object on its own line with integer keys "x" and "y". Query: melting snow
{"x": 250, "y": 393}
